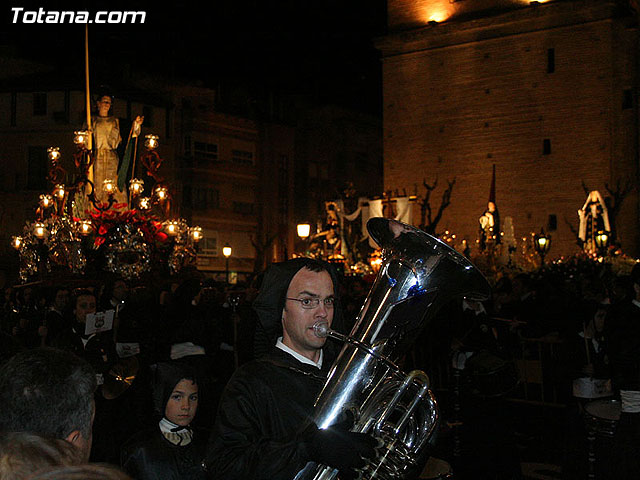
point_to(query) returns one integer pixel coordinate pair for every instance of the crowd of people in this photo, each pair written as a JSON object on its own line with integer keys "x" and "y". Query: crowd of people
{"x": 198, "y": 380}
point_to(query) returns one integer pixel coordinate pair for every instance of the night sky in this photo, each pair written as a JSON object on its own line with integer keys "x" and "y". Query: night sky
{"x": 318, "y": 48}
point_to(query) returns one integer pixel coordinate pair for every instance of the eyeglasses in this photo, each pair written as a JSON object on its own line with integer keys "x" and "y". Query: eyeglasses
{"x": 309, "y": 303}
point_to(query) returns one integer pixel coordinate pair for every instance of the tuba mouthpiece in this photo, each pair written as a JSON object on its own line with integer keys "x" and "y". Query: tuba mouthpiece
{"x": 321, "y": 329}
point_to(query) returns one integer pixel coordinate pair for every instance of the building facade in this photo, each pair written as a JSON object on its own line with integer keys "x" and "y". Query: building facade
{"x": 545, "y": 91}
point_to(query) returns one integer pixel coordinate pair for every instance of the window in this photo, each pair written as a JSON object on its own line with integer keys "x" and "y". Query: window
{"x": 39, "y": 104}
{"x": 187, "y": 145}
{"x": 209, "y": 244}
{"x": 551, "y": 60}
{"x": 546, "y": 146}
{"x": 204, "y": 198}
{"x": 37, "y": 168}
{"x": 244, "y": 208}
{"x": 242, "y": 157}
{"x": 205, "y": 152}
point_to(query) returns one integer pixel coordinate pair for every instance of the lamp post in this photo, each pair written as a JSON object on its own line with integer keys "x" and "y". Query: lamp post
{"x": 304, "y": 229}
{"x": 542, "y": 244}
{"x": 226, "y": 251}
{"x": 602, "y": 242}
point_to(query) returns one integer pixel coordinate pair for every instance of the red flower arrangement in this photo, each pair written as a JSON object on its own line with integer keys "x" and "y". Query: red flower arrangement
{"x": 105, "y": 220}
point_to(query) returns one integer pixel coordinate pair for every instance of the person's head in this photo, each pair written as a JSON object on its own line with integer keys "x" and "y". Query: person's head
{"x": 104, "y": 105}
{"x": 48, "y": 392}
{"x": 81, "y": 472}
{"x": 271, "y": 300}
{"x": 120, "y": 290}
{"x": 309, "y": 299}
{"x": 84, "y": 303}
{"x": 175, "y": 392}
{"x": 23, "y": 453}
{"x": 491, "y": 206}
{"x": 60, "y": 299}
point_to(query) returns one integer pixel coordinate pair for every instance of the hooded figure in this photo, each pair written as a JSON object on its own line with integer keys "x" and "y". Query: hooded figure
{"x": 172, "y": 450}
{"x": 272, "y": 296}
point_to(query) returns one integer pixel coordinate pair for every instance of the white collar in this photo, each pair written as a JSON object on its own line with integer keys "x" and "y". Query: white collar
{"x": 297, "y": 356}
{"x": 636, "y": 302}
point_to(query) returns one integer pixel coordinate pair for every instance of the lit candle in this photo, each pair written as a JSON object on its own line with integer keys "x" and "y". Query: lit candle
{"x": 16, "y": 242}
{"x": 172, "y": 227}
{"x": 151, "y": 141}
{"x": 59, "y": 192}
{"x": 161, "y": 192}
{"x": 85, "y": 227}
{"x": 80, "y": 137}
{"x": 144, "y": 203}
{"x": 196, "y": 233}
{"x": 53, "y": 153}
{"x": 109, "y": 186}
{"x": 136, "y": 186}
{"x": 39, "y": 230}
{"x": 46, "y": 201}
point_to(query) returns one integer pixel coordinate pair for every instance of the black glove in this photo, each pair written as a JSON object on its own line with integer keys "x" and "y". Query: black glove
{"x": 339, "y": 448}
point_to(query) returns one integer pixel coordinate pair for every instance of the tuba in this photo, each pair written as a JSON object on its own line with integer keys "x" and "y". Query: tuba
{"x": 419, "y": 274}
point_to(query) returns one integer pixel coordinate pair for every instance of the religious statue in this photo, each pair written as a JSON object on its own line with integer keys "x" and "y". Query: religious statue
{"x": 330, "y": 234}
{"x": 106, "y": 135}
{"x": 594, "y": 218}
{"x": 489, "y": 226}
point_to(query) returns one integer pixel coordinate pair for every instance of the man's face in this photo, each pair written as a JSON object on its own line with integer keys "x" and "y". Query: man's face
{"x": 85, "y": 304}
{"x": 297, "y": 322}
{"x": 61, "y": 300}
{"x": 120, "y": 291}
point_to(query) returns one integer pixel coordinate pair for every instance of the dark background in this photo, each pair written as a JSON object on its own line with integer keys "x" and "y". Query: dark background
{"x": 322, "y": 49}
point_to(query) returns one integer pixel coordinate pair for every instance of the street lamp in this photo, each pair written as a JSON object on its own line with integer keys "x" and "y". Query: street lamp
{"x": 542, "y": 244}
{"x": 226, "y": 251}
{"x": 602, "y": 242}
{"x": 304, "y": 229}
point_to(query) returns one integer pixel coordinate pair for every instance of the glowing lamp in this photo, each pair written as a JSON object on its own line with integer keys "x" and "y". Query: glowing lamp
{"x": 16, "y": 242}
{"x": 304, "y": 229}
{"x": 39, "y": 230}
{"x": 226, "y": 250}
{"x": 172, "y": 227}
{"x": 109, "y": 187}
{"x": 59, "y": 192}
{"x": 542, "y": 244}
{"x": 195, "y": 233}
{"x": 151, "y": 141}
{"x": 161, "y": 193}
{"x": 53, "y": 153}
{"x": 85, "y": 227}
{"x": 602, "y": 239}
{"x": 46, "y": 201}
{"x": 136, "y": 186}
{"x": 144, "y": 203}
{"x": 80, "y": 137}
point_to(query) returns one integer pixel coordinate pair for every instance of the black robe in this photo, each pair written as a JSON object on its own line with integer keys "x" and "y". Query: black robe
{"x": 263, "y": 411}
{"x": 149, "y": 456}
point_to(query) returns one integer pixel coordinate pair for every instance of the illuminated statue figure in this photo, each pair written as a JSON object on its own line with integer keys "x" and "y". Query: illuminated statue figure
{"x": 489, "y": 226}
{"x": 490, "y": 219}
{"x": 330, "y": 234}
{"x": 106, "y": 134}
{"x": 594, "y": 218}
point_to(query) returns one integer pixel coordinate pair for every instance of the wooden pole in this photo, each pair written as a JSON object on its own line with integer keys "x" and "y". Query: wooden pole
{"x": 88, "y": 94}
